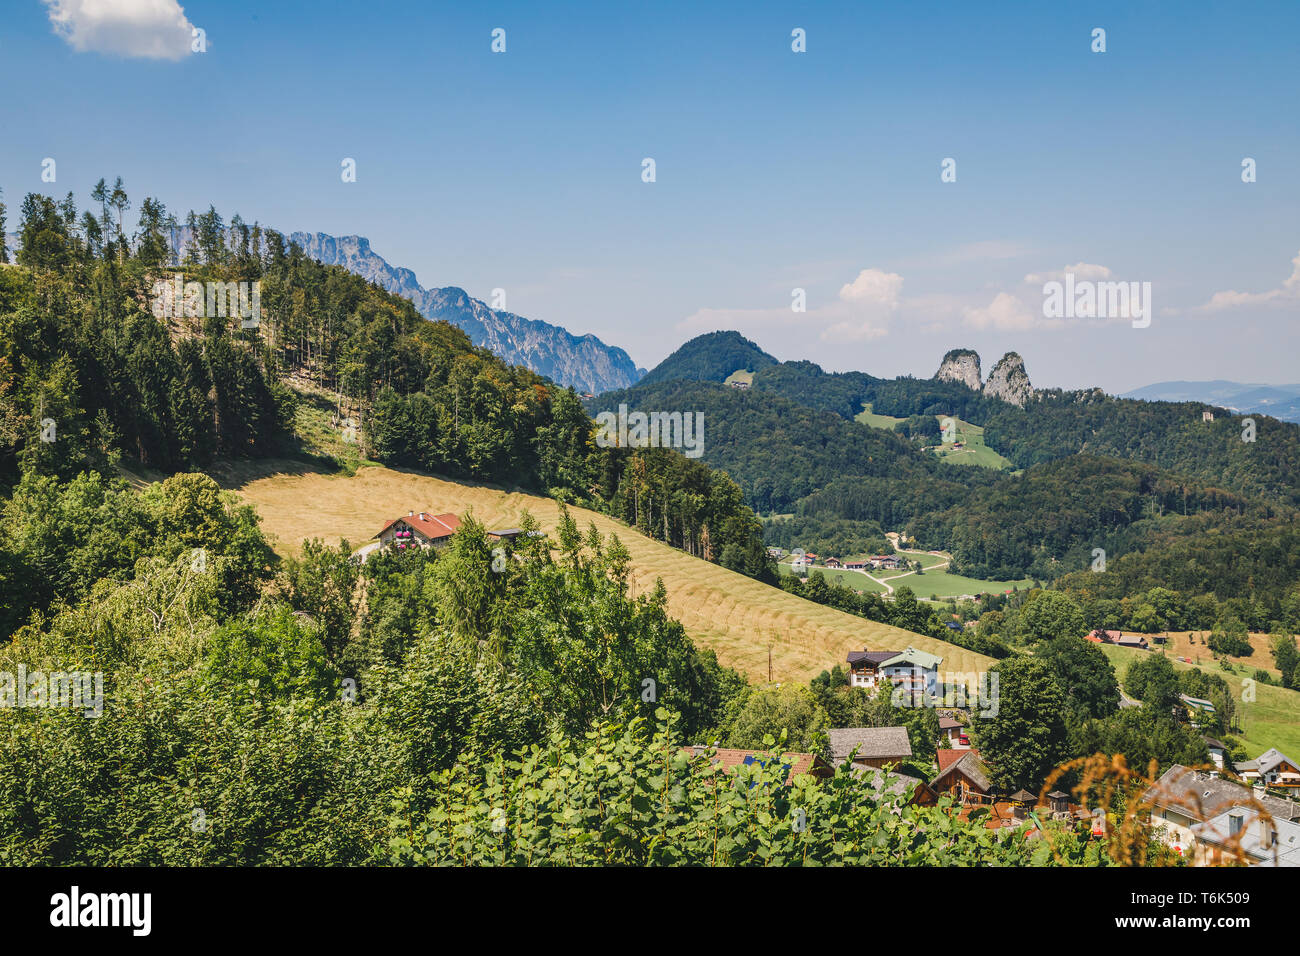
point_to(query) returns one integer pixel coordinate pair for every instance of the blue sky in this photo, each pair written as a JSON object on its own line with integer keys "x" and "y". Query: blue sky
{"x": 774, "y": 169}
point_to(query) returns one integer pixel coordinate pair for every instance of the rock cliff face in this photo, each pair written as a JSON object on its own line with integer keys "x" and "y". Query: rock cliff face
{"x": 583, "y": 361}
{"x": 1009, "y": 381}
{"x": 960, "y": 365}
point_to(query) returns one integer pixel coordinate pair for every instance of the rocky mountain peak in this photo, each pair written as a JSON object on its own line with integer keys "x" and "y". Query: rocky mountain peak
{"x": 960, "y": 365}
{"x": 1009, "y": 381}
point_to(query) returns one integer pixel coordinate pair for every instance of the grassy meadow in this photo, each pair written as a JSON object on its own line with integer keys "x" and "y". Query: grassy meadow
{"x": 734, "y": 615}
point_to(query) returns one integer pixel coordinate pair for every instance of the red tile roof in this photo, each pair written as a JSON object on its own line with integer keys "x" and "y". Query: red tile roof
{"x": 433, "y": 527}
{"x": 947, "y": 758}
{"x": 729, "y": 759}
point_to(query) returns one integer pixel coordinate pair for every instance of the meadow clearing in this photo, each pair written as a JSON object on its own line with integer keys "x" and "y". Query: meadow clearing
{"x": 736, "y": 616}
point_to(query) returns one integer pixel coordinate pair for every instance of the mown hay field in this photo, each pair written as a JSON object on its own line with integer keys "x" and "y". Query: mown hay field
{"x": 734, "y": 615}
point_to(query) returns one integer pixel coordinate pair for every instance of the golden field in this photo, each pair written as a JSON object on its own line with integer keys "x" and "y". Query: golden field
{"x": 732, "y": 614}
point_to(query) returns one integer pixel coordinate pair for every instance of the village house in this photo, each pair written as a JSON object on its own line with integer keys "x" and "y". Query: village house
{"x": 1272, "y": 768}
{"x": 915, "y": 672}
{"x": 889, "y": 784}
{"x": 955, "y": 731}
{"x": 1132, "y": 640}
{"x": 1182, "y": 798}
{"x": 1218, "y": 751}
{"x": 885, "y": 562}
{"x": 422, "y": 529}
{"x": 794, "y": 763}
{"x": 869, "y": 746}
{"x": 833, "y": 563}
{"x": 1244, "y": 835}
{"x": 963, "y": 776}
{"x": 1099, "y": 636}
{"x": 864, "y": 667}
{"x": 1197, "y": 706}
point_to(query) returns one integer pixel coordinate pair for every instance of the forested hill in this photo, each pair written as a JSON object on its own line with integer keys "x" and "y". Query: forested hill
{"x": 1054, "y": 425}
{"x": 92, "y": 369}
{"x": 710, "y": 358}
{"x": 1223, "y": 452}
{"x": 779, "y": 451}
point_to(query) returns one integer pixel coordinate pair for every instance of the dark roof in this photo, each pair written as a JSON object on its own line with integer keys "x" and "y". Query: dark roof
{"x": 1266, "y": 761}
{"x": 871, "y": 743}
{"x": 949, "y": 723}
{"x": 1024, "y": 796}
{"x": 1056, "y": 795}
{"x": 872, "y": 657}
{"x": 1285, "y": 848}
{"x": 971, "y": 767}
{"x": 1199, "y": 795}
{"x": 888, "y": 784}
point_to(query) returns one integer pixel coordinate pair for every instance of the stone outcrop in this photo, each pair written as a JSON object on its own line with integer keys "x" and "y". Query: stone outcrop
{"x": 1009, "y": 381}
{"x": 960, "y": 365}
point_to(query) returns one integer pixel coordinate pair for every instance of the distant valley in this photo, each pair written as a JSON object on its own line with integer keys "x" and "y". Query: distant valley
{"x": 1280, "y": 401}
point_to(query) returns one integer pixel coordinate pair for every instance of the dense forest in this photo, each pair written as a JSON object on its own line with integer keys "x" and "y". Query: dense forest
{"x": 710, "y": 358}
{"x": 1172, "y": 500}
{"x": 92, "y": 371}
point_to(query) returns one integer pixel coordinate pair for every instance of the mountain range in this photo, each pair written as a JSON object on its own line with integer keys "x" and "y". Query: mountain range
{"x": 581, "y": 361}
{"x": 1280, "y": 401}
{"x": 584, "y": 362}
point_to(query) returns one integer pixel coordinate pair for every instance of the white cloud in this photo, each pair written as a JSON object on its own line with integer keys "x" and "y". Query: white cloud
{"x": 850, "y": 331}
{"x": 1289, "y": 291}
{"x": 1005, "y": 313}
{"x": 1080, "y": 270}
{"x": 151, "y": 29}
{"x": 874, "y": 287}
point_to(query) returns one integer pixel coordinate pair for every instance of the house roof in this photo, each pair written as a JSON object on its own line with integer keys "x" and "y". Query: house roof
{"x": 1024, "y": 796}
{"x": 917, "y": 658}
{"x": 949, "y": 723}
{"x": 870, "y": 657}
{"x": 1285, "y": 849}
{"x": 971, "y": 767}
{"x": 947, "y": 757}
{"x": 1198, "y": 702}
{"x": 888, "y": 784}
{"x": 729, "y": 759}
{"x": 1266, "y": 761}
{"x": 1214, "y": 744}
{"x": 431, "y": 526}
{"x": 1197, "y": 794}
{"x": 871, "y": 743}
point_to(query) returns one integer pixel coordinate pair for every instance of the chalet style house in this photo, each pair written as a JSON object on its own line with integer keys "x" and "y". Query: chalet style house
{"x": 955, "y": 731}
{"x": 864, "y": 667}
{"x": 874, "y": 746}
{"x": 1118, "y": 638}
{"x": 963, "y": 775}
{"x": 914, "y": 671}
{"x": 1244, "y": 835}
{"x": 794, "y": 763}
{"x": 1272, "y": 768}
{"x": 422, "y": 529}
{"x": 1182, "y": 798}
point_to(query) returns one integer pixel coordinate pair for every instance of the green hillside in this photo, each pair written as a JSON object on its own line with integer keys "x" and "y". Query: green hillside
{"x": 710, "y": 358}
